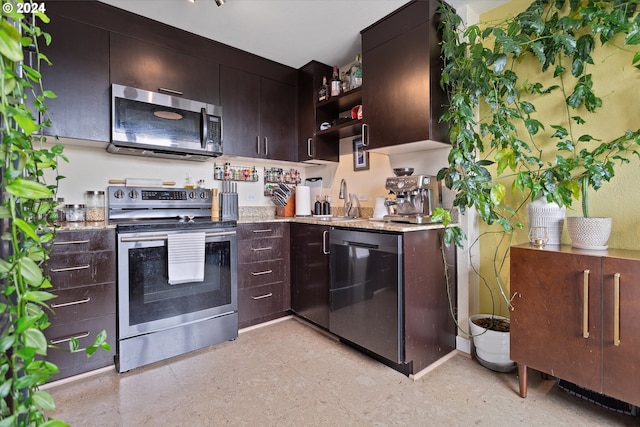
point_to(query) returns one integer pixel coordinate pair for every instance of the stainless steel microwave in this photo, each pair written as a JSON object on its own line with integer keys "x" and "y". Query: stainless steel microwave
{"x": 154, "y": 124}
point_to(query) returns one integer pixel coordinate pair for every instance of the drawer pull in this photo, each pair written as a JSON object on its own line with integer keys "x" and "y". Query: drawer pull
{"x": 268, "y": 248}
{"x": 61, "y": 340}
{"x": 270, "y": 294}
{"x": 79, "y": 267}
{"x": 616, "y": 309}
{"x": 260, "y": 273}
{"x": 265, "y": 230}
{"x": 66, "y": 304}
{"x": 585, "y": 305}
{"x": 71, "y": 242}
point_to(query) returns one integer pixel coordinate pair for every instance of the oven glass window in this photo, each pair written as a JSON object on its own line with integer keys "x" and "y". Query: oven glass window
{"x": 151, "y": 297}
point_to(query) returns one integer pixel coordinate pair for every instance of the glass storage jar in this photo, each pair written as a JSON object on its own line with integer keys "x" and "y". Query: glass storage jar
{"x": 94, "y": 201}
{"x": 74, "y": 213}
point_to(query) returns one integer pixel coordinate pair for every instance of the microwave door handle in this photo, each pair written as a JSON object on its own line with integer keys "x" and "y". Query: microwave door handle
{"x": 205, "y": 128}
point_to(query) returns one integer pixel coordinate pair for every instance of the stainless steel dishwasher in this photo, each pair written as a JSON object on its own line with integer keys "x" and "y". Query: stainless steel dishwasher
{"x": 366, "y": 298}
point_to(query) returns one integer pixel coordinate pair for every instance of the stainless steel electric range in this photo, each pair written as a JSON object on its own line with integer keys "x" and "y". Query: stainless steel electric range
{"x": 177, "y": 273}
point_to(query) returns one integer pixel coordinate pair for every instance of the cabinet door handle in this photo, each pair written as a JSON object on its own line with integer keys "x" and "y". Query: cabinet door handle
{"x": 266, "y": 146}
{"x": 585, "y": 306}
{"x": 616, "y": 309}
{"x": 309, "y": 152}
{"x": 66, "y": 304}
{"x": 170, "y": 91}
{"x": 71, "y": 242}
{"x": 258, "y": 145}
{"x": 260, "y": 273}
{"x": 79, "y": 267}
{"x": 268, "y": 248}
{"x": 325, "y": 233}
{"x": 264, "y": 230}
{"x": 270, "y": 294}
{"x": 365, "y": 135}
{"x": 61, "y": 340}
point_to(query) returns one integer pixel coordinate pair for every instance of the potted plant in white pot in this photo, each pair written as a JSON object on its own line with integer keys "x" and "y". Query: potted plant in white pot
{"x": 501, "y": 79}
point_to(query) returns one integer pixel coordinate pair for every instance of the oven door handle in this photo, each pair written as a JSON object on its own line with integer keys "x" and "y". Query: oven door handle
{"x": 165, "y": 237}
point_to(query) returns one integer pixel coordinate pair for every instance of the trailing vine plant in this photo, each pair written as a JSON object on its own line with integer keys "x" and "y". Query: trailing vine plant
{"x": 27, "y": 215}
{"x": 495, "y": 129}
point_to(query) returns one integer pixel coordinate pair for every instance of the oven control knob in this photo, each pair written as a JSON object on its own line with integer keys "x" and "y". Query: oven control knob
{"x": 203, "y": 195}
{"x": 192, "y": 195}
{"x": 133, "y": 194}
{"x": 118, "y": 194}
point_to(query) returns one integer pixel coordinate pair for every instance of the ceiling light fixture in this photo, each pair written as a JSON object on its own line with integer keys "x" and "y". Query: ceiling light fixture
{"x": 220, "y": 2}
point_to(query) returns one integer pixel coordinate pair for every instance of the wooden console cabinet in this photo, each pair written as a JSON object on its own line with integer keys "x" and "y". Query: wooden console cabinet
{"x": 577, "y": 317}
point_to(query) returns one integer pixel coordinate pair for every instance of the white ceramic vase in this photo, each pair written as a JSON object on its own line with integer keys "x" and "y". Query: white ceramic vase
{"x": 589, "y": 232}
{"x": 548, "y": 215}
{"x": 491, "y": 347}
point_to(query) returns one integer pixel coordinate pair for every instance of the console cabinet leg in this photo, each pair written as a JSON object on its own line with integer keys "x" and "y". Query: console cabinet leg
{"x": 522, "y": 376}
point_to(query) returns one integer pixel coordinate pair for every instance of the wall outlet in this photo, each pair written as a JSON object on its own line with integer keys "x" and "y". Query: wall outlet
{"x": 251, "y": 197}
{"x": 363, "y": 197}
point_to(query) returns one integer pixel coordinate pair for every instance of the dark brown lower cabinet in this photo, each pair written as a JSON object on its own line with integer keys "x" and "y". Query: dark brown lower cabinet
{"x": 83, "y": 274}
{"x": 263, "y": 272}
{"x": 310, "y": 272}
{"x": 577, "y": 317}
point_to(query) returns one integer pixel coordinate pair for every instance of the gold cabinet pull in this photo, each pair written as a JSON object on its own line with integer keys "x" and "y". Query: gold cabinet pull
{"x": 616, "y": 309}
{"x": 585, "y": 306}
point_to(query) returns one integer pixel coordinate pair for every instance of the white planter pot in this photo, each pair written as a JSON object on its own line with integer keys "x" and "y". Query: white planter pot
{"x": 491, "y": 347}
{"x": 589, "y": 232}
{"x": 548, "y": 215}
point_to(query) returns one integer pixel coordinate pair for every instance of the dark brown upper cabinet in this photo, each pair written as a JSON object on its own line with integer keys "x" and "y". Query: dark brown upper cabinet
{"x": 79, "y": 77}
{"x": 259, "y": 115}
{"x": 401, "y": 96}
{"x": 144, "y": 65}
{"x": 313, "y": 146}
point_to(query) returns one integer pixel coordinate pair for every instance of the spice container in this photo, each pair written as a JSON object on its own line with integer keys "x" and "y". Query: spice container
{"x": 94, "y": 201}
{"x": 74, "y": 213}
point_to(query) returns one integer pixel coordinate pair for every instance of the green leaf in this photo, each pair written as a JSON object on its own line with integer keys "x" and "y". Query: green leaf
{"x": 39, "y": 297}
{"x": 28, "y": 189}
{"x": 43, "y": 400}
{"x": 26, "y": 122}
{"x": 10, "y": 45}
{"x": 633, "y": 37}
{"x": 498, "y": 192}
{"x": 26, "y": 228}
{"x": 34, "y": 338}
{"x": 30, "y": 271}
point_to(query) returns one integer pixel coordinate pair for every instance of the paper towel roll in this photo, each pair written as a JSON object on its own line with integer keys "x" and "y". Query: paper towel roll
{"x": 303, "y": 200}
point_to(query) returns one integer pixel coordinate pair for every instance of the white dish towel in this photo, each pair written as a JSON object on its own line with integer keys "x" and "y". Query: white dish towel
{"x": 186, "y": 257}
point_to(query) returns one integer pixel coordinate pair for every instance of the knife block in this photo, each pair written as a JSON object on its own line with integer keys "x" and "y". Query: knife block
{"x": 289, "y": 209}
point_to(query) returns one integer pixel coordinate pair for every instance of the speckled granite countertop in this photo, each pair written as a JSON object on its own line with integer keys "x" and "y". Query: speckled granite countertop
{"x": 259, "y": 214}
{"x": 267, "y": 214}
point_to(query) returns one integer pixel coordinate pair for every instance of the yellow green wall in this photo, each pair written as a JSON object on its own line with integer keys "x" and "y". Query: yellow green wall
{"x": 618, "y": 84}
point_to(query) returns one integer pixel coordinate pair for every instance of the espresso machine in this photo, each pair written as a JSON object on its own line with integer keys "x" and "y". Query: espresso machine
{"x": 415, "y": 198}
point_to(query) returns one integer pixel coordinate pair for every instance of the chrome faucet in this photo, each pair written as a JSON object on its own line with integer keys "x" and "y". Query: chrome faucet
{"x": 344, "y": 196}
{"x": 354, "y": 206}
